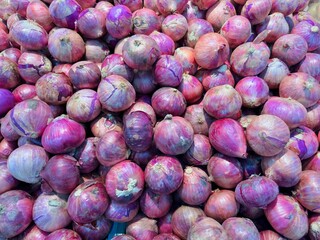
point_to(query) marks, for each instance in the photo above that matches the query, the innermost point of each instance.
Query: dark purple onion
(7, 181)
(122, 212)
(165, 43)
(185, 55)
(9, 74)
(145, 21)
(169, 7)
(256, 11)
(63, 234)
(175, 26)
(85, 74)
(24, 92)
(252, 165)
(119, 21)
(142, 158)
(142, 227)
(114, 64)
(91, 23)
(86, 155)
(200, 151)
(168, 71)
(241, 228)
(12, 53)
(96, 50)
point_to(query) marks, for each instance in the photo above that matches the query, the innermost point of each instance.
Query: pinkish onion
(196, 28)
(310, 31)
(33, 232)
(240, 228)
(207, 227)
(6, 148)
(191, 88)
(270, 235)
(122, 212)
(104, 6)
(7, 101)
(144, 107)
(166, 7)
(114, 64)
(219, 13)
(225, 171)
(86, 3)
(11, 20)
(24, 92)
(186, 56)
(283, 6)
(119, 21)
(309, 65)
(63, 234)
(91, 23)
(175, 26)
(143, 227)
(9, 74)
(96, 50)
(62, 68)
(7, 9)
(211, 50)
(104, 123)
(7, 181)
(165, 43)
(200, 151)
(84, 74)
(313, 163)
(145, 21)
(133, 5)
(143, 82)
(168, 71)
(166, 236)
(256, 11)
(12, 53)
(302, 4)
(86, 155)
(38, 11)
(192, 11)
(4, 40)
(203, 4)
(164, 224)
(123, 237)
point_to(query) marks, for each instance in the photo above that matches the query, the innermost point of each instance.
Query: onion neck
(168, 117)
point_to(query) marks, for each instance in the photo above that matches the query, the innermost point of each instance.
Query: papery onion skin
(86, 155)
(289, 110)
(163, 174)
(168, 7)
(145, 21)
(24, 92)
(7, 181)
(26, 162)
(284, 168)
(61, 173)
(183, 218)
(39, 12)
(116, 93)
(200, 151)
(142, 227)
(88, 202)
(104, 123)
(240, 228)
(62, 135)
(267, 135)
(185, 55)
(91, 23)
(16, 212)
(63, 234)
(50, 212)
(9, 74)
(224, 171)
(256, 11)
(221, 205)
(309, 65)
(227, 136)
(84, 74)
(119, 21)
(287, 217)
(165, 43)
(124, 182)
(122, 212)
(114, 64)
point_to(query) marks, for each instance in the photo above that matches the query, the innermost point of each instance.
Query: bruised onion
(166, 7)
(65, 13)
(142, 227)
(104, 123)
(84, 74)
(219, 13)
(7, 181)
(165, 43)
(63, 233)
(163, 174)
(256, 11)
(207, 228)
(114, 64)
(145, 21)
(225, 171)
(9, 74)
(175, 26)
(122, 212)
(91, 23)
(185, 55)
(119, 21)
(39, 12)
(125, 181)
(240, 228)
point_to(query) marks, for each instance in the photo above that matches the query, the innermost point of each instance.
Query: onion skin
(145, 21)
(6, 148)
(133, 5)
(122, 212)
(16, 212)
(33, 232)
(211, 50)
(165, 43)
(284, 168)
(200, 151)
(8, 182)
(114, 64)
(50, 212)
(185, 55)
(143, 107)
(270, 235)
(309, 65)
(240, 228)
(216, 77)
(84, 74)
(29, 34)
(168, 7)
(197, 28)
(91, 23)
(225, 171)
(12, 53)
(143, 228)
(168, 71)
(65, 13)
(7, 101)
(314, 226)
(263, 138)
(105, 123)
(9, 74)
(26, 162)
(63, 234)
(163, 174)
(221, 205)
(173, 135)
(24, 92)
(175, 26)
(119, 21)
(115, 93)
(287, 217)
(96, 50)
(233, 145)
(124, 182)
(313, 163)
(256, 11)
(289, 110)
(88, 202)
(183, 218)
(39, 12)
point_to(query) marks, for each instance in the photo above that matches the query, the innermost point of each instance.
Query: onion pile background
(179, 119)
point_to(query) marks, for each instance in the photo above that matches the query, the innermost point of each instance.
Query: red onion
(164, 224)
(225, 171)
(62, 68)
(96, 50)
(166, 7)
(287, 217)
(256, 11)
(312, 120)
(198, 118)
(227, 136)
(62, 135)
(66, 45)
(9, 75)
(29, 34)
(289, 110)
(4, 40)
(155, 205)
(7, 181)
(166, 236)
(142, 158)
(184, 218)
(24, 92)
(197, 28)
(168, 71)
(12, 53)
(88, 202)
(236, 30)
(202, 4)
(211, 50)
(33, 232)
(200, 151)
(57, 110)
(122, 212)
(86, 155)
(115, 65)
(125, 181)
(61, 174)
(143, 228)
(191, 88)
(275, 71)
(63, 234)
(7, 101)
(65, 13)
(277, 25)
(307, 190)
(192, 11)
(144, 107)
(91, 23)
(50, 212)
(104, 6)
(104, 123)
(290, 48)
(313, 163)
(117, 44)
(119, 21)
(168, 100)
(219, 13)
(207, 228)
(6, 148)
(309, 65)
(115, 93)
(39, 12)
(185, 55)
(11, 20)
(163, 174)
(240, 228)
(123, 237)
(267, 135)
(221, 205)
(254, 91)
(7, 9)
(175, 26)
(131, 4)
(270, 235)
(283, 6)
(250, 58)
(215, 77)
(195, 188)
(165, 43)
(173, 135)
(145, 21)
(314, 226)
(16, 213)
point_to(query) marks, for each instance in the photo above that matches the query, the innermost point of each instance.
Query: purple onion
(133, 5)
(12, 53)
(186, 56)
(38, 11)
(33, 232)
(96, 50)
(4, 40)
(114, 64)
(165, 43)
(166, 7)
(86, 155)
(142, 158)
(256, 11)
(104, 6)
(310, 31)
(216, 77)
(166, 236)
(6, 148)
(144, 107)
(145, 21)
(65, 13)
(309, 65)
(91, 23)
(62, 68)
(9, 74)
(200, 151)
(119, 21)
(7, 181)
(284, 7)
(168, 71)
(312, 120)
(192, 11)
(63, 234)
(219, 13)
(7, 101)
(197, 28)
(24, 92)
(143, 82)
(206, 227)
(175, 26)
(143, 227)
(122, 212)
(240, 228)
(313, 163)
(104, 123)
(204, 4)
(191, 88)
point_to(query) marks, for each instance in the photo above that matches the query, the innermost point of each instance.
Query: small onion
(50, 212)
(125, 181)
(270, 235)
(191, 88)
(185, 55)
(114, 64)
(145, 21)
(131, 4)
(207, 228)
(313, 114)
(166, 236)
(256, 11)
(33, 232)
(91, 23)
(165, 43)
(219, 13)
(313, 163)
(192, 11)
(24, 92)
(62, 135)
(196, 28)
(225, 171)
(122, 212)
(61, 173)
(227, 136)
(7, 101)
(287, 217)
(9, 74)
(39, 12)
(6, 148)
(166, 7)
(241, 228)
(309, 65)
(175, 26)
(283, 6)
(267, 135)
(16, 213)
(104, 123)
(119, 21)
(63, 234)
(7, 181)
(84, 74)
(142, 227)
(163, 174)
(96, 50)
(12, 53)
(168, 71)
(143, 107)
(200, 151)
